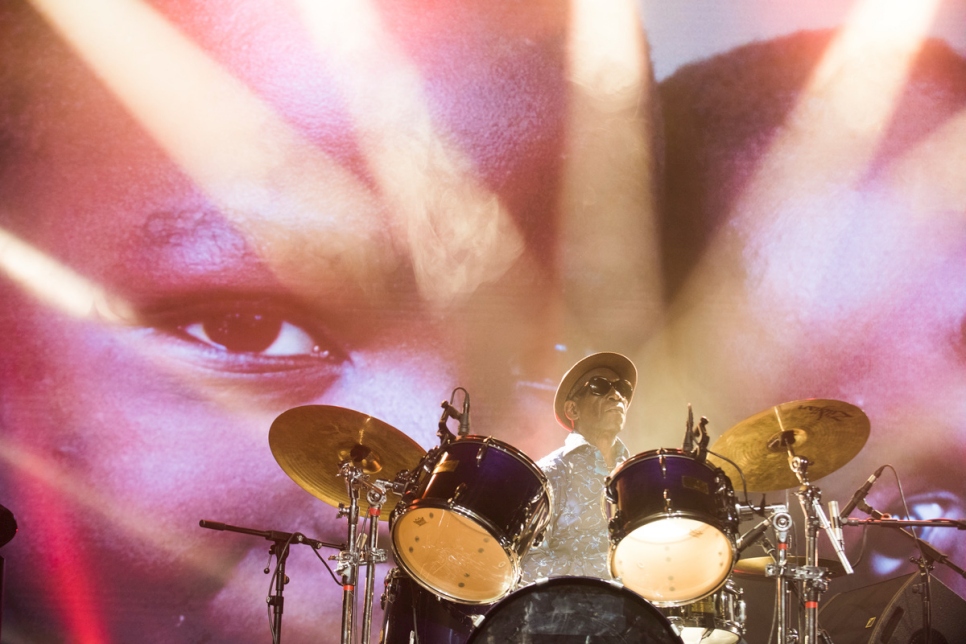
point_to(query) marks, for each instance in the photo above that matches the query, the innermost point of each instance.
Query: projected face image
(226, 216)
(844, 263)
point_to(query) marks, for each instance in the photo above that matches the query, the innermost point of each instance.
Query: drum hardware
(700, 435)
(746, 512)
(755, 534)
(362, 548)
(281, 541)
(480, 454)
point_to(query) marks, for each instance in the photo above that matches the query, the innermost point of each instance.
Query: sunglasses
(601, 386)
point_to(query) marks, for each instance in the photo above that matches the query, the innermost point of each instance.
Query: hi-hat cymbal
(312, 442)
(829, 433)
(755, 566)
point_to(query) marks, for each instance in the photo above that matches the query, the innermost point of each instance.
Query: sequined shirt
(576, 541)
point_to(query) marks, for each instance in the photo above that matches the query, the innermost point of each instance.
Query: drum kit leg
(464, 514)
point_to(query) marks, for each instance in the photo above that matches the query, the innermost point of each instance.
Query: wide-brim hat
(619, 364)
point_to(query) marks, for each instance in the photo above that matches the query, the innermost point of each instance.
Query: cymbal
(312, 442)
(755, 566)
(829, 433)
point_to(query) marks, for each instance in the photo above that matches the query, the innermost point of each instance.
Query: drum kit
(464, 514)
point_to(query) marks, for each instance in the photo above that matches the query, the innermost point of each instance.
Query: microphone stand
(280, 548)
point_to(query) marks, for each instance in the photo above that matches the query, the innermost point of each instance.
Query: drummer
(591, 403)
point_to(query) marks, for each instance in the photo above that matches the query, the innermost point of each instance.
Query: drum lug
(615, 528)
(537, 539)
(482, 452)
(457, 493)
(389, 592)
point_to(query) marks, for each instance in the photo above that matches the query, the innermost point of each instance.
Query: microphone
(861, 492)
(752, 535)
(465, 415)
(835, 520)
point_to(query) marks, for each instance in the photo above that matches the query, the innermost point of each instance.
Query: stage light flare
(56, 284)
(608, 202)
(458, 233)
(258, 170)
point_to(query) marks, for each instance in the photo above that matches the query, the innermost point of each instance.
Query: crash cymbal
(312, 442)
(829, 433)
(755, 566)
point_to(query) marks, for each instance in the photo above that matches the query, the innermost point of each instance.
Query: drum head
(673, 561)
(574, 610)
(453, 556)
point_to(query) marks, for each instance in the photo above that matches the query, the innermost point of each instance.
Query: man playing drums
(591, 402)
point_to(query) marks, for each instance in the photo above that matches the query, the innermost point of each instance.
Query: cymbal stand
(359, 548)
(813, 577)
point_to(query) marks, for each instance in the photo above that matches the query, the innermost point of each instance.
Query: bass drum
(562, 610)
(413, 614)
(462, 531)
(674, 528)
(717, 619)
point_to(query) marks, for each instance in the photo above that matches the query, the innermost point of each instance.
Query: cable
(327, 567)
(905, 509)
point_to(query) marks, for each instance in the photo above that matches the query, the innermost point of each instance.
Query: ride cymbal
(312, 442)
(829, 433)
